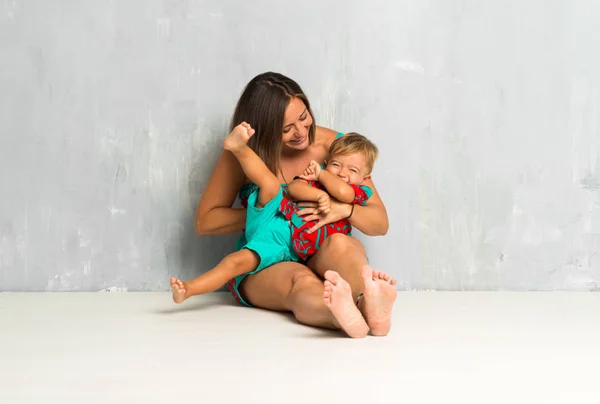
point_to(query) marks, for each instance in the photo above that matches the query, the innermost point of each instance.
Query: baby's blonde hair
(352, 143)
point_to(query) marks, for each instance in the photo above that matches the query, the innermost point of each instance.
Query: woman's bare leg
(290, 286)
(234, 264)
(346, 256)
(379, 295)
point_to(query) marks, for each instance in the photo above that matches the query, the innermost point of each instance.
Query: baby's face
(351, 168)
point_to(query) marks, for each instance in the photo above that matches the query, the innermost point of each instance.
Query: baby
(350, 162)
(274, 233)
(268, 232)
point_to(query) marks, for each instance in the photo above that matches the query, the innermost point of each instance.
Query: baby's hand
(324, 204)
(312, 172)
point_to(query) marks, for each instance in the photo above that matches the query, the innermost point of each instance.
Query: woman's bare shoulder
(325, 136)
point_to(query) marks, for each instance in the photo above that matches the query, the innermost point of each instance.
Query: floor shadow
(313, 332)
(220, 300)
(323, 333)
(226, 300)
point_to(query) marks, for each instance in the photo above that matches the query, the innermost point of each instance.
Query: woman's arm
(214, 214)
(371, 219)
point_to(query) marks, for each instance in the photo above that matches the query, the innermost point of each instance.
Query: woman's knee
(306, 297)
(270, 288)
(341, 244)
(302, 279)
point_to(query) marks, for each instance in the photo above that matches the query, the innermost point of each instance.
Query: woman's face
(296, 124)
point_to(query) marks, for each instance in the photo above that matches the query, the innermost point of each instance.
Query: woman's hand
(309, 213)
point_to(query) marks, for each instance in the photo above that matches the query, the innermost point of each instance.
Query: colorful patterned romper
(306, 245)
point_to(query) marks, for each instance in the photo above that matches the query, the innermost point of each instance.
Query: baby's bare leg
(234, 264)
(254, 168)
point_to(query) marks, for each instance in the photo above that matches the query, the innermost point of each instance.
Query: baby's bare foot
(239, 137)
(338, 297)
(179, 290)
(378, 300)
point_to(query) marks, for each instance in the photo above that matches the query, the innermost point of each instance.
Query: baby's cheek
(359, 180)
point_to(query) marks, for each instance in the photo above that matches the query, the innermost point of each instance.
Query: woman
(287, 140)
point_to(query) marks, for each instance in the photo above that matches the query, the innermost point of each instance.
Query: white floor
(444, 348)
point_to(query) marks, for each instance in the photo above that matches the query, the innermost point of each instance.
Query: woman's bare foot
(179, 290)
(338, 297)
(238, 138)
(378, 300)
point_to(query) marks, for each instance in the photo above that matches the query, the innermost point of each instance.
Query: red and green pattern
(305, 244)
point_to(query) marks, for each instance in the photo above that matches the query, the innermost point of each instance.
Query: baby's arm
(300, 190)
(336, 187)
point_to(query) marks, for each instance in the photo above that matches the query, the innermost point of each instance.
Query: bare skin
(377, 303)
(179, 289)
(243, 261)
(234, 264)
(292, 286)
(338, 298)
(378, 292)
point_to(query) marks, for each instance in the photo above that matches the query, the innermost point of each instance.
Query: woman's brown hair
(262, 104)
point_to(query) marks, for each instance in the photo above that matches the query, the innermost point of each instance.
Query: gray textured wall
(487, 113)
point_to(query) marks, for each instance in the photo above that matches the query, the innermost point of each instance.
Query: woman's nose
(300, 130)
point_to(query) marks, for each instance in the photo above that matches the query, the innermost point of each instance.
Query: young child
(268, 232)
(350, 162)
